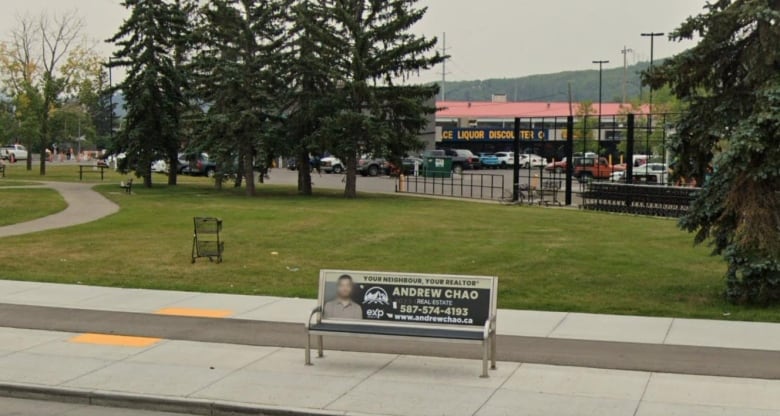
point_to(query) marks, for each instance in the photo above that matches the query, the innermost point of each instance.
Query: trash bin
(435, 166)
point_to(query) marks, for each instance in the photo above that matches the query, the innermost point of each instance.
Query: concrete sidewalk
(147, 349)
(207, 378)
(538, 324)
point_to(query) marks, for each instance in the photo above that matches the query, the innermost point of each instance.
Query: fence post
(569, 157)
(630, 149)
(630, 136)
(516, 164)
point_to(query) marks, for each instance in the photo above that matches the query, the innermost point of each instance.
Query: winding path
(84, 205)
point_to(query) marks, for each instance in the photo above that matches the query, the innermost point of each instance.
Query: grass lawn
(11, 182)
(547, 259)
(19, 205)
(69, 172)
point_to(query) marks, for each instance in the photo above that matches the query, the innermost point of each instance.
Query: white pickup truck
(13, 152)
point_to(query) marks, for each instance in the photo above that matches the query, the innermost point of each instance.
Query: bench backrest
(407, 298)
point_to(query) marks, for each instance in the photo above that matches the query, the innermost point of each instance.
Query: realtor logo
(376, 296)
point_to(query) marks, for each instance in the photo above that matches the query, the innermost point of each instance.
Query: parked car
(560, 165)
(331, 164)
(595, 168)
(651, 173)
(531, 161)
(160, 166)
(489, 161)
(13, 152)
(505, 159)
(197, 164)
(463, 159)
(368, 166)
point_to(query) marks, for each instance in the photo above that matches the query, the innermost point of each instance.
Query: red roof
(491, 110)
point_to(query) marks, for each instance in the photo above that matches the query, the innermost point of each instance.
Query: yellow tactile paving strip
(196, 312)
(115, 340)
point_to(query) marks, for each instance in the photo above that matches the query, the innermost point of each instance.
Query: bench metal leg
(485, 348)
(493, 351)
(320, 353)
(308, 349)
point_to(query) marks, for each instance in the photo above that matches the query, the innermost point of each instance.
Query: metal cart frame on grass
(206, 240)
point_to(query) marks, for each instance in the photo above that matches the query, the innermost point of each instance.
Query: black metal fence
(573, 161)
(467, 185)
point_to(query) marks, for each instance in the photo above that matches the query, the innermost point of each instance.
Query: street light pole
(601, 70)
(652, 36)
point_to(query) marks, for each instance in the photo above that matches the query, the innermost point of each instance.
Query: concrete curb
(189, 406)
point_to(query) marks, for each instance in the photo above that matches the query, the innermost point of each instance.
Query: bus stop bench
(459, 309)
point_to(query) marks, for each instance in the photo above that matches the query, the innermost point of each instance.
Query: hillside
(551, 87)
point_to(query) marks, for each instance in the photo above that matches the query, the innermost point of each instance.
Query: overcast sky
(486, 38)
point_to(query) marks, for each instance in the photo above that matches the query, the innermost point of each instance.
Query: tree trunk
(249, 174)
(148, 179)
(44, 137)
(30, 144)
(173, 168)
(304, 173)
(350, 190)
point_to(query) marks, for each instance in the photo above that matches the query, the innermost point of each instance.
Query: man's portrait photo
(342, 306)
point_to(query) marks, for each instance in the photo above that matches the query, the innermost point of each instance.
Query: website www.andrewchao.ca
(434, 319)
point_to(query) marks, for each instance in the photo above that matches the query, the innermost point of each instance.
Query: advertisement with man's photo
(408, 298)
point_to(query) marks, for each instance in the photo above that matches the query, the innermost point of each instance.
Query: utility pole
(601, 70)
(625, 51)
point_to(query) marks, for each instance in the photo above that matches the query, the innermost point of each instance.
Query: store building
(489, 126)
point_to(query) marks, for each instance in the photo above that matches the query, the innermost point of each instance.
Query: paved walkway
(84, 205)
(211, 378)
(209, 353)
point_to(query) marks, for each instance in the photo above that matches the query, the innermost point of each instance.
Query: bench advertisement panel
(407, 298)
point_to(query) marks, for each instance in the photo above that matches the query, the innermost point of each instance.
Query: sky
(485, 38)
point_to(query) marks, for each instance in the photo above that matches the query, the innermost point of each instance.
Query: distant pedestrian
(70, 153)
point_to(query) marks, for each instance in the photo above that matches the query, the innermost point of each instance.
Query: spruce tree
(374, 54)
(729, 138)
(310, 83)
(237, 67)
(147, 42)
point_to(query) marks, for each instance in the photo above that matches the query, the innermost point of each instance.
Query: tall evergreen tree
(239, 47)
(729, 139)
(374, 55)
(311, 81)
(147, 43)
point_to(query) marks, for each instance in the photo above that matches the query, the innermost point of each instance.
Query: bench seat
(398, 331)
(434, 308)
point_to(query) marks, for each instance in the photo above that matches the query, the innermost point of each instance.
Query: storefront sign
(492, 135)
(407, 298)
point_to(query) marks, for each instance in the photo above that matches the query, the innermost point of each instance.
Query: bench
(424, 307)
(550, 186)
(127, 186)
(92, 168)
(661, 201)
